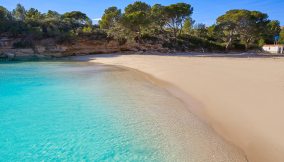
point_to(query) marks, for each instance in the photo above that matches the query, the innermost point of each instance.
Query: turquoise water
(65, 111)
(72, 111)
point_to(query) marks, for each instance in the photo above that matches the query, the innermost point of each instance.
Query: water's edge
(190, 103)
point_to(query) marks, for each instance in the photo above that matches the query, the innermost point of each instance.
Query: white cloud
(96, 19)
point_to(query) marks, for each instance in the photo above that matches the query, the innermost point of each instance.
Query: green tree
(52, 15)
(136, 17)
(176, 14)
(248, 25)
(111, 16)
(273, 28)
(200, 30)
(77, 17)
(227, 32)
(9, 26)
(137, 6)
(5, 18)
(33, 17)
(34, 21)
(121, 34)
(19, 12)
(213, 34)
(33, 14)
(158, 16)
(282, 36)
(53, 23)
(187, 27)
(75, 20)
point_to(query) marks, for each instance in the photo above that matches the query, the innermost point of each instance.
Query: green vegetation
(244, 27)
(282, 36)
(170, 26)
(33, 25)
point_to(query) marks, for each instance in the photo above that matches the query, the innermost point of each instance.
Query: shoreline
(191, 104)
(14, 56)
(257, 143)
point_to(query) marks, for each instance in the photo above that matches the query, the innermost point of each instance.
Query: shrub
(189, 42)
(93, 34)
(148, 38)
(121, 41)
(261, 42)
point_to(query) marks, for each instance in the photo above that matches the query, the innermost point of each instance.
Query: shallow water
(72, 111)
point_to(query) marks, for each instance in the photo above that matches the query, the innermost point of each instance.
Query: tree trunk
(229, 42)
(175, 33)
(247, 44)
(180, 30)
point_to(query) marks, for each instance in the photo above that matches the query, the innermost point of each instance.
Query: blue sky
(205, 11)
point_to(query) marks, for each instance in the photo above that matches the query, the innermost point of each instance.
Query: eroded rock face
(49, 49)
(7, 42)
(10, 55)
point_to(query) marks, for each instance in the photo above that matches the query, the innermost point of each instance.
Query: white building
(276, 49)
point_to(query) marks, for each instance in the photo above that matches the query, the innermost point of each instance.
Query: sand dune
(241, 98)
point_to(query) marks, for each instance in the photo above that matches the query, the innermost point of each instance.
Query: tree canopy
(246, 27)
(171, 24)
(111, 16)
(136, 17)
(176, 14)
(282, 35)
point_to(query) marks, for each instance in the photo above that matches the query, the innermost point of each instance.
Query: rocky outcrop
(48, 48)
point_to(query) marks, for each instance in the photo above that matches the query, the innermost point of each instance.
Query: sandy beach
(241, 98)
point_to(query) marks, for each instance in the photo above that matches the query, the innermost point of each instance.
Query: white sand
(241, 98)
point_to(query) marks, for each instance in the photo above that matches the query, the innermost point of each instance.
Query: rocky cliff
(48, 48)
